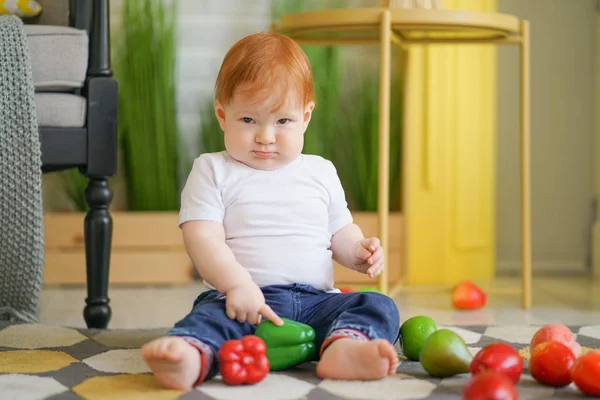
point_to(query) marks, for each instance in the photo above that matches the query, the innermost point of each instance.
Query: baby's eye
(247, 120)
(283, 121)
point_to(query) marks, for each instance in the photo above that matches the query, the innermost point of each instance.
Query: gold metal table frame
(405, 27)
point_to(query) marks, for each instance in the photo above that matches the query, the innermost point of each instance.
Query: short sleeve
(201, 198)
(339, 214)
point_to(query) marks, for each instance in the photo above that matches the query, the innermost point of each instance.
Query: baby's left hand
(367, 257)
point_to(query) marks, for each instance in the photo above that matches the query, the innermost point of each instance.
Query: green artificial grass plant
(74, 185)
(144, 65)
(211, 135)
(357, 141)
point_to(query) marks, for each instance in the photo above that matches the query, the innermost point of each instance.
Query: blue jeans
(374, 314)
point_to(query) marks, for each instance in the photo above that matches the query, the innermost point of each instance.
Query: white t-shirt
(278, 223)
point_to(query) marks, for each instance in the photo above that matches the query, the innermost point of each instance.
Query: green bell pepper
(287, 345)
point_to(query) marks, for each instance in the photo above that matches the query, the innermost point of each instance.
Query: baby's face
(261, 137)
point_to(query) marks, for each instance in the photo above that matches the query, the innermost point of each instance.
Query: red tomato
(551, 363)
(498, 357)
(586, 373)
(489, 385)
(467, 296)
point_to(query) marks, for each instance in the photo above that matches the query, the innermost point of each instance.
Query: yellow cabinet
(451, 160)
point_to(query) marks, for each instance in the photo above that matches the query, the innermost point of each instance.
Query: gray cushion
(54, 12)
(59, 57)
(61, 110)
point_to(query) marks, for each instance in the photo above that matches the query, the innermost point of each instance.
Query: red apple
(498, 357)
(555, 333)
(551, 363)
(489, 385)
(467, 296)
(586, 373)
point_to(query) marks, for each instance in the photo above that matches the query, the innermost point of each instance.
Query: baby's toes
(392, 356)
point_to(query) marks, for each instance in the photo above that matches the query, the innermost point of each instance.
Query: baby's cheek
(292, 143)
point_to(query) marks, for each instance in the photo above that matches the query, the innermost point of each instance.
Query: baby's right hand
(246, 303)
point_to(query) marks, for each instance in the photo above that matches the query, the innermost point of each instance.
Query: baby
(262, 223)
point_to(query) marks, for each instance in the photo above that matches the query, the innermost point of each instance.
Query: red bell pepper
(244, 361)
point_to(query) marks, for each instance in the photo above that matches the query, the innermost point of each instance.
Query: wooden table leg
(525, 168)
(384, 140)
(406, 161)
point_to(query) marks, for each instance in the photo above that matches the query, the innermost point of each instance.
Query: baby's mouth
(263, 154)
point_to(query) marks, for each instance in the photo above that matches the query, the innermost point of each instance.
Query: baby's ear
(220, 113)
(308, 111)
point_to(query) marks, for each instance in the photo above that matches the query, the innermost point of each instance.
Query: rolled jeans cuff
(349, 333)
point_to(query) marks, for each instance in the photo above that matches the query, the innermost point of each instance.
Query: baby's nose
(265, 138)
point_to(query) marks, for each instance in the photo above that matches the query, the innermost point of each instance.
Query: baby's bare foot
(350, 359)
(174, 362)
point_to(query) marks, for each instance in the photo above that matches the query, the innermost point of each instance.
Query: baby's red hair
(265, 64)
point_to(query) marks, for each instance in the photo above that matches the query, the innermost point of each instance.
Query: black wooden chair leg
(98, 237)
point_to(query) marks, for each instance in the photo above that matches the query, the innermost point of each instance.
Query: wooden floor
(568, 300)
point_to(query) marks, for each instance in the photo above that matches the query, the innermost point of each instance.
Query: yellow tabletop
(412, 25)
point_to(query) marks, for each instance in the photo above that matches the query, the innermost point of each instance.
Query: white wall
(563, 74)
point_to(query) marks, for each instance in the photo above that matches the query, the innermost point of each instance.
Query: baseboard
(505, 267)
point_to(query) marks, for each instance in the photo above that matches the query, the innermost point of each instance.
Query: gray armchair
(76, 102)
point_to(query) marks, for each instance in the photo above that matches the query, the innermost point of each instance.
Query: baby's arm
(205, 244)
(348, 244)
(350, 249)
(343, 242)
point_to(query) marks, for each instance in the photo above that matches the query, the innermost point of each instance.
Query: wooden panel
(367, 221)
(148, 249)
(139, 229)
(136, 268)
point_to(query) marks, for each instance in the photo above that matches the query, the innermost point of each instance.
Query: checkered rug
(52, 362)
